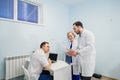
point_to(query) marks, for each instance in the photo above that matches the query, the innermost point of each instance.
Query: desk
(61, 70)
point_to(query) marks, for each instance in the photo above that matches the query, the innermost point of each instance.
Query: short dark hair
(78, 23)
(43, 43)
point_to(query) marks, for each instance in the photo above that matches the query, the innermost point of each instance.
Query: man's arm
(49, 65)
(72, 52)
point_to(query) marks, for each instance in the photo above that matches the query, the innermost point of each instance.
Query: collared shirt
(37, 62)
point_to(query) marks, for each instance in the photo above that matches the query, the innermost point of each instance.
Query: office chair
(26, 73)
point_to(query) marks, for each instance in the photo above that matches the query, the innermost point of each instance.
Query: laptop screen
(53, 56)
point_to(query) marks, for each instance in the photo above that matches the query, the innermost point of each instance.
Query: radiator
(13, 66)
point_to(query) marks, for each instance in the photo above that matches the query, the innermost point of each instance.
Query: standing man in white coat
(86, 51)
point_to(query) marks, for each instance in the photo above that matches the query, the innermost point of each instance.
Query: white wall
(103, 18)
(19, 38)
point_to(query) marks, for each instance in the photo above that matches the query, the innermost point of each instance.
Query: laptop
(53, 57)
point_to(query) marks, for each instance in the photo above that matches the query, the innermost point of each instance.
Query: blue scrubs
(69, 60)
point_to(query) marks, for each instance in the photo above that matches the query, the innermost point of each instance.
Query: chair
(26, 73)
(26, 64)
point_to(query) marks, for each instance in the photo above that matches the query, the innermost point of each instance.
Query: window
(27, 12)
(21, 10)
(6, 9)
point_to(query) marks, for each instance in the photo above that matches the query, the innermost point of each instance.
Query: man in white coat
(86, 51)
(40, 64)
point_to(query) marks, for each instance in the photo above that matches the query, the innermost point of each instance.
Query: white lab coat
(38, 60)
(87, 53)
(75, 58)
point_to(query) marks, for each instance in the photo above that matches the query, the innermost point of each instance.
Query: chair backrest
(27, 75)
(26, 64)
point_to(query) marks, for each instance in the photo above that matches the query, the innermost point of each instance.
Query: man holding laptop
(40, 64)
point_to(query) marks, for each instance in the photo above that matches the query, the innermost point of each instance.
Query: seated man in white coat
(40, 64)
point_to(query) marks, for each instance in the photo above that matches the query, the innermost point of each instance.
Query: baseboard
(2, 79)
(110, 78)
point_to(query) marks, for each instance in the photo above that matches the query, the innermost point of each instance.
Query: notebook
(53, 57)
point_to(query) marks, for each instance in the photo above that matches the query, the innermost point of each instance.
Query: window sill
(23, 22)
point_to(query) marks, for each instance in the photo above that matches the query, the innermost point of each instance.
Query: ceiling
(70, 2)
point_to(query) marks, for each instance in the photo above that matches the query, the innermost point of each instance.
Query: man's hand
(49, 65)
(49, 61)
(72, 52)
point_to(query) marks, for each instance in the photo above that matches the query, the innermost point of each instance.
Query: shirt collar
(42, 51)
(82, 32)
